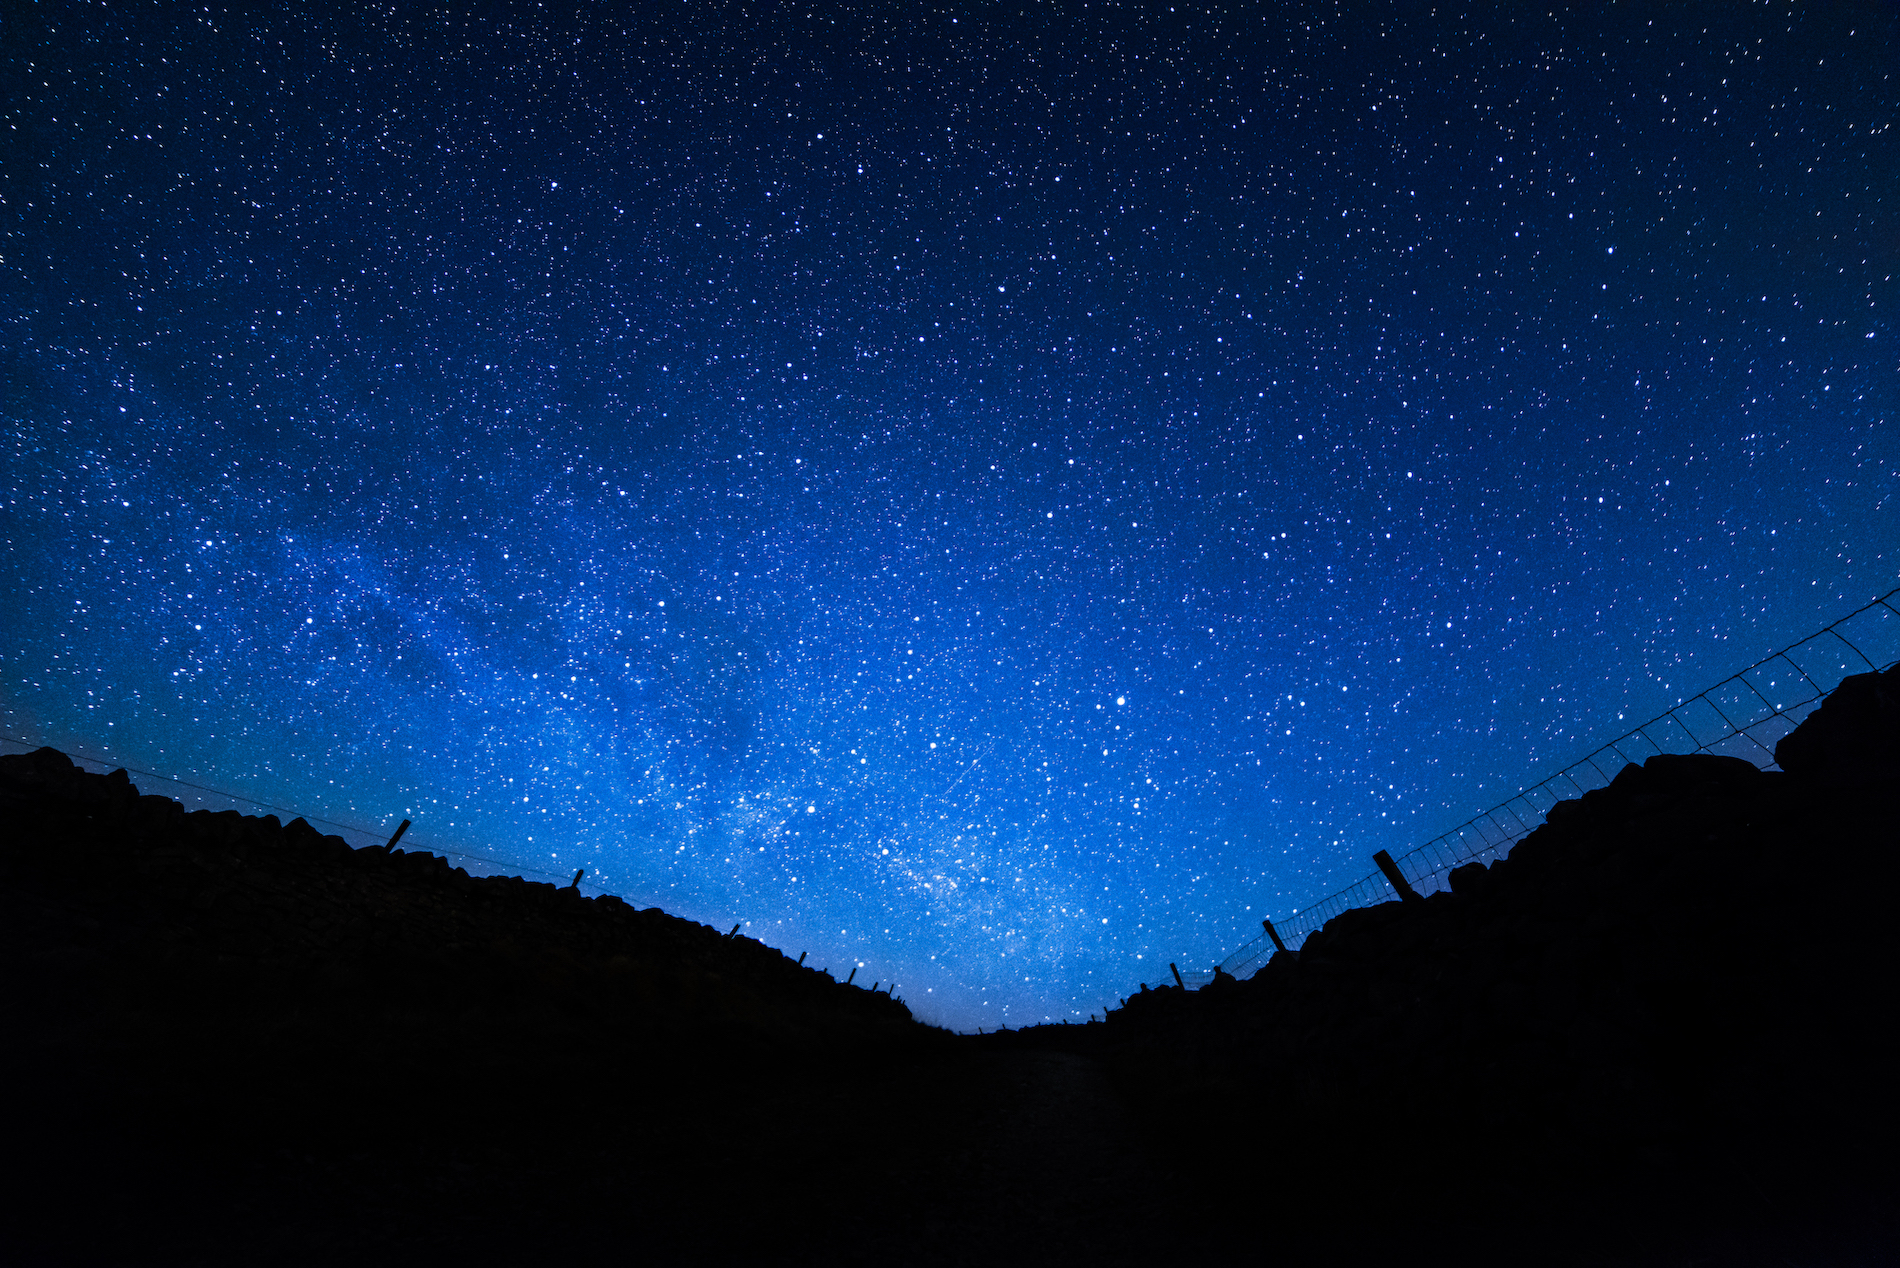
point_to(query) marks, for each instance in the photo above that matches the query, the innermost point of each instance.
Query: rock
(50, 763)
(119, 786)
(1852, 738)
(160, 813)
(1627, 778)
(299, 834)
(1687, 772)
(46, 768)
(1469, 879)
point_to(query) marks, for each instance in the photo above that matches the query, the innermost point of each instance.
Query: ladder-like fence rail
(1744, 715)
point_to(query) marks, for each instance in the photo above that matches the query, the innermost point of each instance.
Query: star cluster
(1003, 496)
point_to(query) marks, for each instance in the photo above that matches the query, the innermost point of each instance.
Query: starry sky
(1004, 495)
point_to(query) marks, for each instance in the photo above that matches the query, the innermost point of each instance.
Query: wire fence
(1744, 715)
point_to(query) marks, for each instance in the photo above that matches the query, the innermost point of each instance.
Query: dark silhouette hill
(1660, 1031)
(209, 1004)
(1667, 1015)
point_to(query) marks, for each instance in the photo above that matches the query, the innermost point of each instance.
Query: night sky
(1004, 495)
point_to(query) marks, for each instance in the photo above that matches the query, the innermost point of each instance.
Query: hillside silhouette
(1661, 1030)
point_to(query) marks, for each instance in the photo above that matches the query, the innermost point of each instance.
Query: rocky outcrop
(1853, 738)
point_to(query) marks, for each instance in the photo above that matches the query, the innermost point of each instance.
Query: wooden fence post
(801, 957)
(1393, 874)
(735, 930)
(399, 831)
(575, 884)
(1177, 977)
(1274, 934)
(854, 973)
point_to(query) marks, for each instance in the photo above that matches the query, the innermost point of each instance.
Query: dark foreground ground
(1661, 1032)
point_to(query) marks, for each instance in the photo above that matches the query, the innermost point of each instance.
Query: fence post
(404, 827)
(735, 930)
(1393, 874)
(575, 884)
(1177, 977)
(801, 957)
(854, 973)
(1274, 934)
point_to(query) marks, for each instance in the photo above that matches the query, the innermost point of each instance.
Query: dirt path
(1050, 1154)
(1034, 1162)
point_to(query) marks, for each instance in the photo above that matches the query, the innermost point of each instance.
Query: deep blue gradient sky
(1005, 495)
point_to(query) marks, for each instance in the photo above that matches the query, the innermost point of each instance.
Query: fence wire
(1744, 715)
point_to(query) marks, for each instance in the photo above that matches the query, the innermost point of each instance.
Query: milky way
(1002, 496)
